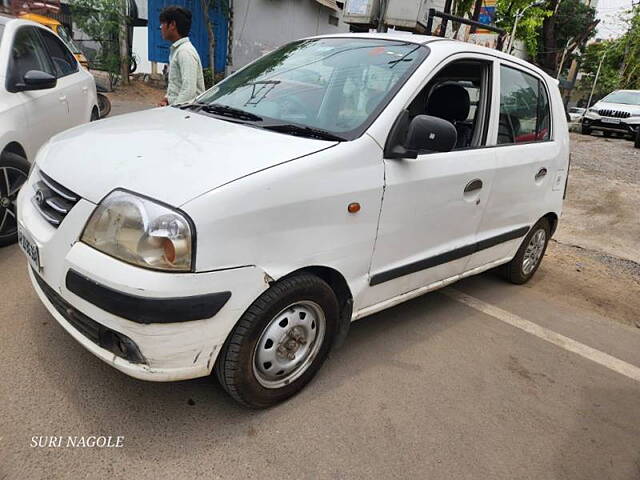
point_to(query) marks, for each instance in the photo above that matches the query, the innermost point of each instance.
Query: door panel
(428, 222)
(525, 157)
(45, 110)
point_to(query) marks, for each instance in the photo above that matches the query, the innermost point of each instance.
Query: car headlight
(141, 232)
(593, 110)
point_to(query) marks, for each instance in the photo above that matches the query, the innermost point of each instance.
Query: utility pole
(595, 80)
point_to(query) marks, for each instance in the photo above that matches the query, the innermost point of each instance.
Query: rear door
(525, 154)
(71, 80)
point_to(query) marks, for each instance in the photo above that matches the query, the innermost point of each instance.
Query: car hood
(624, 107)
(168, 154)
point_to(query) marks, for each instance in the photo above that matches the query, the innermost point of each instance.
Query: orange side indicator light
(353, 207)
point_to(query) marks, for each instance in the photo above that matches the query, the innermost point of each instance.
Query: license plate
(29, 247)
(611, 120)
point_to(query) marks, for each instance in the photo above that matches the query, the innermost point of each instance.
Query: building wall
(261, 26)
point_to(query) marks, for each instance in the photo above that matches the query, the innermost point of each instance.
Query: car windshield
(628, 98)
(66, 38)
(333, 84)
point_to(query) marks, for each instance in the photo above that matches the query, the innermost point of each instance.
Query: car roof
(4, 20)
(439, 42)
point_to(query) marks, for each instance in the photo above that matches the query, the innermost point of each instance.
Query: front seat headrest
(450, 102)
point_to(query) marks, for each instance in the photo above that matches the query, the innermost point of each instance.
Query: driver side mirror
(423, 133)
(36, 80)
(432, 134)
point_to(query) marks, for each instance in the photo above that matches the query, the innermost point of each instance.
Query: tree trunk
(549, 57)
(212, 39)
(124, 44)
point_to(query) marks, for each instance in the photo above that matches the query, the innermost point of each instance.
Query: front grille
(119, 344)
(614, 113)
(52, 200)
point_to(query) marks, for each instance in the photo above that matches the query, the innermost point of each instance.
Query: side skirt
(378, 307)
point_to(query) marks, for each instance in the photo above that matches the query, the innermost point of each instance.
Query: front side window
(27, 53)
(334, 84)
(524, 108)
(63, 60)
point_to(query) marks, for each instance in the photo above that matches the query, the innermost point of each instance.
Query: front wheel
(529, 255)
(280, 342)
(585, 130)
(636, 143)
(14, 171)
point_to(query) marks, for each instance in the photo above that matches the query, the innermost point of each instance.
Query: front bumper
(168, 350)
(628, 126)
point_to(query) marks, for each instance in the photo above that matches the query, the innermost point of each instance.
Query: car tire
(104, 105)
(585, 130)
(14, 171)
(636, 142)
(529, 256)
(280, 342)
(607, 134)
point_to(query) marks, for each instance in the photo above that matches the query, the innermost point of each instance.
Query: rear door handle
(541, 173)
(473, 185)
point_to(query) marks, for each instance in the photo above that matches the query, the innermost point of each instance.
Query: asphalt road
(430, 389)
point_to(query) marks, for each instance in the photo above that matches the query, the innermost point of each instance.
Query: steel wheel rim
(11, 179)
(289, 344)
(533, 252)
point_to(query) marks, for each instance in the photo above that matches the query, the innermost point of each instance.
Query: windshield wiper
(232, 112)
(308, 132)
(223, 110)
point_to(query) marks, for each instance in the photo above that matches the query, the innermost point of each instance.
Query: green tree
(101, 21)
(529, 24)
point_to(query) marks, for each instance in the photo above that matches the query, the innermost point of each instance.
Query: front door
(45, 110)
(433, 204)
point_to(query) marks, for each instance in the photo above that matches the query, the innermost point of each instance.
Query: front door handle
(473, 185)
(541, 173)
(63, 99)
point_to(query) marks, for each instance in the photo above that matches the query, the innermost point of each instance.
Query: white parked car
(617, 113)
(43, 91)
(329, 180)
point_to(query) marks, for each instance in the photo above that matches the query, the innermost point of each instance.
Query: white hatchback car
(43, 91)
(331, 179)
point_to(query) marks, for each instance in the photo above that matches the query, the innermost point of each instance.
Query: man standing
(186, 81)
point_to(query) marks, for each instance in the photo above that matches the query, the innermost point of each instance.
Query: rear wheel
(280, 342)
(104, 104)
(529, 255)
(14, 171)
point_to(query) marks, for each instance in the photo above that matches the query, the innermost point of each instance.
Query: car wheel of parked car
(14, 171)
(607, 134)
(529, 256)
(636, 143)
(280, 342)
(585, 130)
(104, 104)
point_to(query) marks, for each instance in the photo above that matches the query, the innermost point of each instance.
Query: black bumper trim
(447, 257)
(144, 309)
(104, 337)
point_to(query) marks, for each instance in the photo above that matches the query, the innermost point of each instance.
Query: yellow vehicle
(61, 31)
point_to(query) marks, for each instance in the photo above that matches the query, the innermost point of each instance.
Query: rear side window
(27, 53)
(524, 108)
(63, 60)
